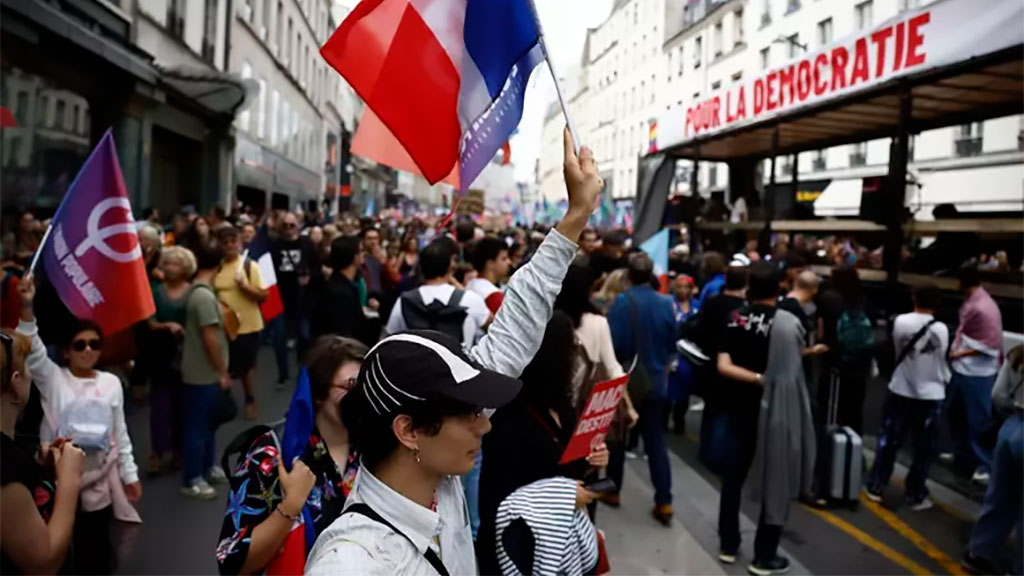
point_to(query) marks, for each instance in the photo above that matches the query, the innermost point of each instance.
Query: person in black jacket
(339, 310)
(529, 435)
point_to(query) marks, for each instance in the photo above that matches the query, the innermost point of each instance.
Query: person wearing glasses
(321, 479)
(297, 266)
(86, 404)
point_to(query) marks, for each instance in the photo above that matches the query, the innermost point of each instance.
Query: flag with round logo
(91, 251)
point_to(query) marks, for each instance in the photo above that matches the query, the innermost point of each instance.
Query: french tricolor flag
(259, 250)
(446, 77)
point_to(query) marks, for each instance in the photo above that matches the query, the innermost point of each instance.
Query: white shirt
(923, 374)
(482, 286)
(739, 211)
(596, 337)
(355, 544)
(476, 317)
(57, 389)
(984, 364)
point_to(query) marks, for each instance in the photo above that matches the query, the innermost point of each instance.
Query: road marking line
(871, 542)
(948, 564)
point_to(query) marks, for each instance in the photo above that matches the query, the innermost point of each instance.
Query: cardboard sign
(596, 418)
(472, 204)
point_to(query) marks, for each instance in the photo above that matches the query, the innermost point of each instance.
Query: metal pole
(558, 85)
(895, 194)
(796, 180)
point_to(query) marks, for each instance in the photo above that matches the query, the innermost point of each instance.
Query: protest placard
(596, 418)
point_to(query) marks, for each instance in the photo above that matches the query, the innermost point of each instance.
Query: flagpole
(558, 85)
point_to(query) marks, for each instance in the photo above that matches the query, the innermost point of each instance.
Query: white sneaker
(697, 406)
(980, 477)
(922, 505)
(199, 489)
(216, 476)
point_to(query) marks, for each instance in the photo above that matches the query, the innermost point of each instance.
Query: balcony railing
(968, 146)
(858, 158)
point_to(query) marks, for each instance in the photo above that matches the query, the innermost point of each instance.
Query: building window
(285, 118)
(818, 161)
(909, 5)
(697, 50)
(737, 76)
(792, 6)
(41, 110)
(713, 176)
(858, 154)
(717, 39)
(261, 109)
(737, 27)
(765, 57)
(682, 62)
(654, 91)
(286, 43)
(862, 15)
(766, 14)
(243, 117)
(210, 31)
(279, 23)
(274, 117)
(176, 18)
(716, 84)
(794, 45)
(968, 139)
(825, 32)
(268, 15)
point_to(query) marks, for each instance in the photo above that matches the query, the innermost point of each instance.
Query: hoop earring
(416, 455)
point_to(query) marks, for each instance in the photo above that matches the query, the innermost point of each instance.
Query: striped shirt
(564, 540)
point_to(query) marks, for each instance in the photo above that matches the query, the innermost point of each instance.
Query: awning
(959, 64)
(221, 94)
(840, 198)
(984, 189)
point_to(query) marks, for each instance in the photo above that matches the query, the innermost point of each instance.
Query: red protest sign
(596, 418)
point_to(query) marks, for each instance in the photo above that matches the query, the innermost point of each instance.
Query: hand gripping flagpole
(558, 85)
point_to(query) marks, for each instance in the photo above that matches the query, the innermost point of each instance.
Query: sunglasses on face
(80, 345)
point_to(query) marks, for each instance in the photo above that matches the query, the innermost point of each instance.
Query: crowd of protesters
(446, 371)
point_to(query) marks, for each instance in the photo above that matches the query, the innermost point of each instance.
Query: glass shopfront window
(42, 153)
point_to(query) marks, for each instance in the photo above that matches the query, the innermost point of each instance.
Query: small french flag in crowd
(446, 77)
(657, 248)
(259, 251)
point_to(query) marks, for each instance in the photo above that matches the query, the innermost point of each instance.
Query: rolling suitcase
(845, 453)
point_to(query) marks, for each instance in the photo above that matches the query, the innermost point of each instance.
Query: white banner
(946, 32)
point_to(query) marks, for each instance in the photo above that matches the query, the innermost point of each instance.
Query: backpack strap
(365, 510)
(456, 297)
(913, 342)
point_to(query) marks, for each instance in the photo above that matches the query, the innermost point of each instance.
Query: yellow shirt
(228, 292)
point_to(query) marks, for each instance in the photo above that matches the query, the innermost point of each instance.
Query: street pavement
(180, 534)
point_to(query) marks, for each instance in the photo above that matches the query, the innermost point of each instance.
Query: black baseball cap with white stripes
(411, 367)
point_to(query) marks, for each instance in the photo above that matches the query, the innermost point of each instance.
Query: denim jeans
(1002, 510)
(902, 415)
(471, 486)
(651, 425)
(970, 412)
(199, 445)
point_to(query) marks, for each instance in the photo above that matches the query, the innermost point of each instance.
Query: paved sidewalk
(638, 545)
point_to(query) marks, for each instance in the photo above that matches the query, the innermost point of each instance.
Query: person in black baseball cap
(420, 409)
